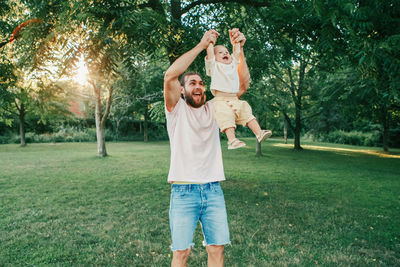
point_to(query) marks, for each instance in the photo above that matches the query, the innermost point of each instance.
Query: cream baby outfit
(228, 109)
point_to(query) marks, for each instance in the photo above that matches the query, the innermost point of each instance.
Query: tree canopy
(320, 66)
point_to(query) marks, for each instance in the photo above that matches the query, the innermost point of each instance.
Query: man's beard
(189, 99)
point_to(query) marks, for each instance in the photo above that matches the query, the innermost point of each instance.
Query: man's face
(193, 91)
(222, 54)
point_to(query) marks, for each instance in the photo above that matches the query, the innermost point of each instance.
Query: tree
(96, 31)
(288, 55)
(7, 80)
(139, 88)
(372, 33)
(27, 85)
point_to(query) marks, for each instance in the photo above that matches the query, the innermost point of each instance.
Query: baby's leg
(254, 126)
(233, 142)
(224, 115)
(261, 135)
(230, 133)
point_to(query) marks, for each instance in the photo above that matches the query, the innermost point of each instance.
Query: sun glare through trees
(81, 75)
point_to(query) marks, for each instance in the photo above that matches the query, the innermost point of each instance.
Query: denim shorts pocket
(178, 193)
(217, 189)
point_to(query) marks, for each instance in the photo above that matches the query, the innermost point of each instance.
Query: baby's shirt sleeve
(210, 66)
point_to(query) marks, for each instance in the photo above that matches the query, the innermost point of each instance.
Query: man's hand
(209, 36)
(237, 37)
(172, 87)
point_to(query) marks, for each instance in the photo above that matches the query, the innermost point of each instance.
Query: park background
(82, 82)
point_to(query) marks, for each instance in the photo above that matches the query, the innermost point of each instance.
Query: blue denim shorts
(191, 203)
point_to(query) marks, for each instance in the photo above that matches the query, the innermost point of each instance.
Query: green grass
(329, 205)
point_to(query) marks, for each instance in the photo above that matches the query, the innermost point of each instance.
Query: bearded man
(196, 166)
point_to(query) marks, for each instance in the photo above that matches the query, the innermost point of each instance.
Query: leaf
(362, 59)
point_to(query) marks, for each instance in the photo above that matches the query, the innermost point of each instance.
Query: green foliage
(129, 44)
(127, 131)
(351, 138)
(157, 111)
(62, 135)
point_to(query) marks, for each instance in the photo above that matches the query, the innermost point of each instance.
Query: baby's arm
(210, 52)
(236, 50)
(235, 44)
(210, 60)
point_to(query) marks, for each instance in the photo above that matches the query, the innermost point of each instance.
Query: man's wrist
(201, 46)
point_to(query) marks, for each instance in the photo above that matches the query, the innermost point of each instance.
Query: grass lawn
(329, 205)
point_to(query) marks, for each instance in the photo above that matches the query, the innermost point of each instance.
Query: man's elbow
(245, 84)
(168, 77)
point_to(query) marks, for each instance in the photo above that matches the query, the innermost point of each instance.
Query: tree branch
(244, 2)
(292, 87)
(16, 105)
(285, 115)
(302, 72)
(282, 80)
(108, 105)
(278, 77)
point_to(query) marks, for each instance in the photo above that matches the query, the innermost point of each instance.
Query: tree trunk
(385, 130)
(101, 141)
(101, 144)
(285, 126)
(117, 128)
(297, 130)
(22, 125)
(258, 149)
(145, 127)
(297, 140)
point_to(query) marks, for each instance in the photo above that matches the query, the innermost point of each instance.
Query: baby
(228, 109)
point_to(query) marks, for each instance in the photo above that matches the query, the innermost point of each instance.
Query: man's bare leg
(180, 257)
(215, 255)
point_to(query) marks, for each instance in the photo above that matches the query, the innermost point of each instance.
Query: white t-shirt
(224, 77)
(196, 154)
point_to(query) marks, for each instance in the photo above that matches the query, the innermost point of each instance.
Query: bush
(62, 135)
(75, 134)
(351, 138)
(5, 139)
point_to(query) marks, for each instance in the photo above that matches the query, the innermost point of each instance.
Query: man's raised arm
(244, 75)
(172, 87)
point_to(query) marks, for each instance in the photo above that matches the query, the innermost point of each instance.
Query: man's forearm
(172, 87)
(244, 74)
(183, 62)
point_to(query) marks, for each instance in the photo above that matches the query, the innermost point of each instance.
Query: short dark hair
(183, 77)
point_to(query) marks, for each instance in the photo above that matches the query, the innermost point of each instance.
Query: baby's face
(222, 54)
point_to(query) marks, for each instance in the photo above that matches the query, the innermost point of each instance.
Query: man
(196, 159)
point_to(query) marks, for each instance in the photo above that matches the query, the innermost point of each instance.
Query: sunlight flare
(337, 149)
(81, 75)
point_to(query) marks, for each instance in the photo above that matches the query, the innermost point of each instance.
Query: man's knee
(181, 256)
(215, 251)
